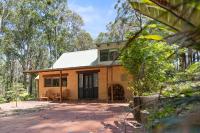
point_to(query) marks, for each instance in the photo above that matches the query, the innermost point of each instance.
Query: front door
(88, 85)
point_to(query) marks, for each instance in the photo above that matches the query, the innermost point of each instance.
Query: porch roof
(69, 68)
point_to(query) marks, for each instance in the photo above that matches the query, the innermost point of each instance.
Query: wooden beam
(61, 86)
(111, 84)
(55, 75)
(111, 93)
(88, 71)
(69, 68)
(107, 84)
(38, 85)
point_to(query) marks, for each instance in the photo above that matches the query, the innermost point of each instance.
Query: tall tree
(34, 34)
(84, 41)
(126, 21)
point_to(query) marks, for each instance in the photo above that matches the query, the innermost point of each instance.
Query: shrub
(26, 97)
(149, 64)
(10, 95)
(14, 92)
(2, 99)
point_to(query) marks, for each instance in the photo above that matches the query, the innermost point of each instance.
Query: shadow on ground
(70, 118)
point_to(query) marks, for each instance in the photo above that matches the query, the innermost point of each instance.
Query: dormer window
(104, 55)
(113, 53)
(108, 54)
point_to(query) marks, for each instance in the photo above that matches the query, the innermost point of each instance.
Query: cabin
(86, 75)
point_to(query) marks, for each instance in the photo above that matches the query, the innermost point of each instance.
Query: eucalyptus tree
(60, 25)
(126, 21)
(83, 41)
(4, 11)
(19, 35)
(34, 34)
(102, 38)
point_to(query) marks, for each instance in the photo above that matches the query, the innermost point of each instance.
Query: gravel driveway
(72, 117)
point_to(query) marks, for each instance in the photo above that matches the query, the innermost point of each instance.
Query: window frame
(53, 81)
(116, 53)
(106, 52)
(110, 57)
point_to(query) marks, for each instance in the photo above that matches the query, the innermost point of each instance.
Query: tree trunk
(182, 61)
(30, 91)
(189, 56)
(24, 81)
(137, 105)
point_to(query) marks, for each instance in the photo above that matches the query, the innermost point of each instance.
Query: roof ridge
(80, 51)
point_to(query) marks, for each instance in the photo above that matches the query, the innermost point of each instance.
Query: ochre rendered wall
(120, 76)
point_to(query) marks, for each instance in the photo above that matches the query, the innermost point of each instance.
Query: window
(113, 54)
(55, 82)
(80, 80)
(104, 55)
(196, 56)
(47, 82)
(86, 81)
(90, 81)
(64, 81)
(95, 79)
(108, 54)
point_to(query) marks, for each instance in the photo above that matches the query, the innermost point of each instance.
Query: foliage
(147, 61)
(24, 96)
(164, 112)
(184, 83)
(180, 96)
(182, 89)
(194, 68)
(83, 41)
(152, 37)
(164, 13)
(102, 38)
(33, 34)
(14, 92)
(127, 20)
(171, 110)
(2, 99)
(17, 92)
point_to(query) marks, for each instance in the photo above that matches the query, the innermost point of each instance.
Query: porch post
(60, 85)
(111, 84)
(107, 85)
(111, 93)
(38, 84)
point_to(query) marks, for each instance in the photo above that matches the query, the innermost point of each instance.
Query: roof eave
(69, 68)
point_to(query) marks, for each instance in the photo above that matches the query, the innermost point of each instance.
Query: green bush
(149, 64)
(26, 97)
(2, 99)
(17, 92)
(194, 68)
(10, 96)
(182, 89)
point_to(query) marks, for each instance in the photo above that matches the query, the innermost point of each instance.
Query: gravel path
(10, 109)
(67, 118)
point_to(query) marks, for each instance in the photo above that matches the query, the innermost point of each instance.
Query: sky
(96, 14)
